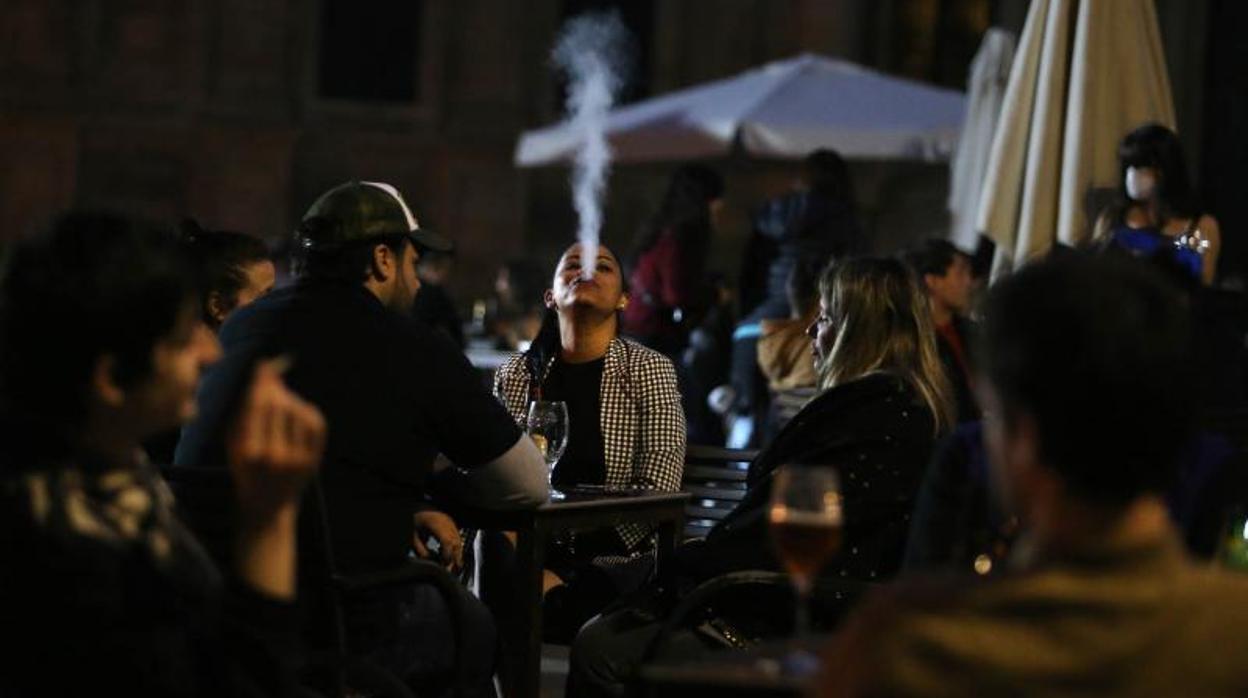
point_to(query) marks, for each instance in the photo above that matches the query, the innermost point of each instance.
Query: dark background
(239, 112)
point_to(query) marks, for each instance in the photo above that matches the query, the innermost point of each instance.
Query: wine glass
(547, 425)
(806, 520)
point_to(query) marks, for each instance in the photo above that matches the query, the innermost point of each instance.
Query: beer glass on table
(547, 425)
(806, 519)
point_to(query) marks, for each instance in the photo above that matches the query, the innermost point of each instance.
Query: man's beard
(403, 298)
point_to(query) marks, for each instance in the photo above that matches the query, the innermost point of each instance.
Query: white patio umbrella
(1070, 99)
(784, 109)
(990, 71)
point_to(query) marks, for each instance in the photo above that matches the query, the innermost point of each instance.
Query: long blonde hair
(882, 323)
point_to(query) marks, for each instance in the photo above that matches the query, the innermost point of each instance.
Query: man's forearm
(514, 480)
(265, 554)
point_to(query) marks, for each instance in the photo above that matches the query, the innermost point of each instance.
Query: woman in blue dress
(1156, 206)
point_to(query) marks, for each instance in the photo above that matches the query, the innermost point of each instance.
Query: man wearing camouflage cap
(395, 394)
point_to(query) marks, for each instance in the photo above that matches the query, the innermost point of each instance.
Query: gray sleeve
(514, 480)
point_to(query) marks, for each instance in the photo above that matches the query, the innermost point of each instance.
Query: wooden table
(577, 511)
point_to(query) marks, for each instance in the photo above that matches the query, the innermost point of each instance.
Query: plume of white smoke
(593, 51)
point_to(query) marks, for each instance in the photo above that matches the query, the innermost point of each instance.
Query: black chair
(205, 503)
(715, 480)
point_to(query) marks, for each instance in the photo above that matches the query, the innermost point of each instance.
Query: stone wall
(210, 108)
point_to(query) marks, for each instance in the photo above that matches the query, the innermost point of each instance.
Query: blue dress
(1145, 242)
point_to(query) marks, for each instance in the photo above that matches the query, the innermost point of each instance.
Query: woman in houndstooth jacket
(626, 429)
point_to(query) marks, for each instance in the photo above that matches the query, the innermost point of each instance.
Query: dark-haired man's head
(364, 232)
(946, 275)
(102, 335)
(233, 270)
(1085, 386)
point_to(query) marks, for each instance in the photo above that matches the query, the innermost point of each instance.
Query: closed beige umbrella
(985, 93)
(1086, 72)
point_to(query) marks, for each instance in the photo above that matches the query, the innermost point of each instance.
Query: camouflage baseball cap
(356, 211)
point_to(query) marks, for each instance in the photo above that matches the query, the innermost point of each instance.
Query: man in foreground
(1088, 404)
(102, 589)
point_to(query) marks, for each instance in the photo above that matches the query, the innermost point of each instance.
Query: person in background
(945, 272)
(103, 589)
(704, 365)
(233, 269)
(816, 222)
(669, 284)
(434, 305)
(1157, 206)
(785, 353)
(626, 429)
(883, 402)
(515, 313)
(1089, 402)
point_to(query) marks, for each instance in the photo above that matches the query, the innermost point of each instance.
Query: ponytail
(541, 350)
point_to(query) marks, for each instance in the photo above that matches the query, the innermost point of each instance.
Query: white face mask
(1140, 183)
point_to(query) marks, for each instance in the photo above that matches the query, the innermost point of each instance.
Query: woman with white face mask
(1156, 212)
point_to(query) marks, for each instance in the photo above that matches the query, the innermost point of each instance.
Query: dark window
(638, 16)
(932, 40)
(370, 49)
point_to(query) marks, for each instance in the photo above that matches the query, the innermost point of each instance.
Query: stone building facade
(238, 112)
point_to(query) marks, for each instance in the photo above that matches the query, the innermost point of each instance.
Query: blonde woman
(883, 400)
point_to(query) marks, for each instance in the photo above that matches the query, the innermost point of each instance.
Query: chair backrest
(715, 481)
(785, 404)
(205, 503)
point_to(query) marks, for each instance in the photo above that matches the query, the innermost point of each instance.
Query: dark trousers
(586, 591)
(410, 634)
(609, 650)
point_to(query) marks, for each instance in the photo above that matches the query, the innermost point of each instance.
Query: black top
(394, 392)
(879, 434)
(580, 386)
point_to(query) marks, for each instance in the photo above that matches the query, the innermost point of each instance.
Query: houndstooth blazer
(643, 424)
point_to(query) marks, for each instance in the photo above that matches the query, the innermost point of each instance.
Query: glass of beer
(806, 519)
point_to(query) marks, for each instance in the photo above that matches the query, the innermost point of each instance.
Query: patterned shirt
(103, 580)
(643, 424)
